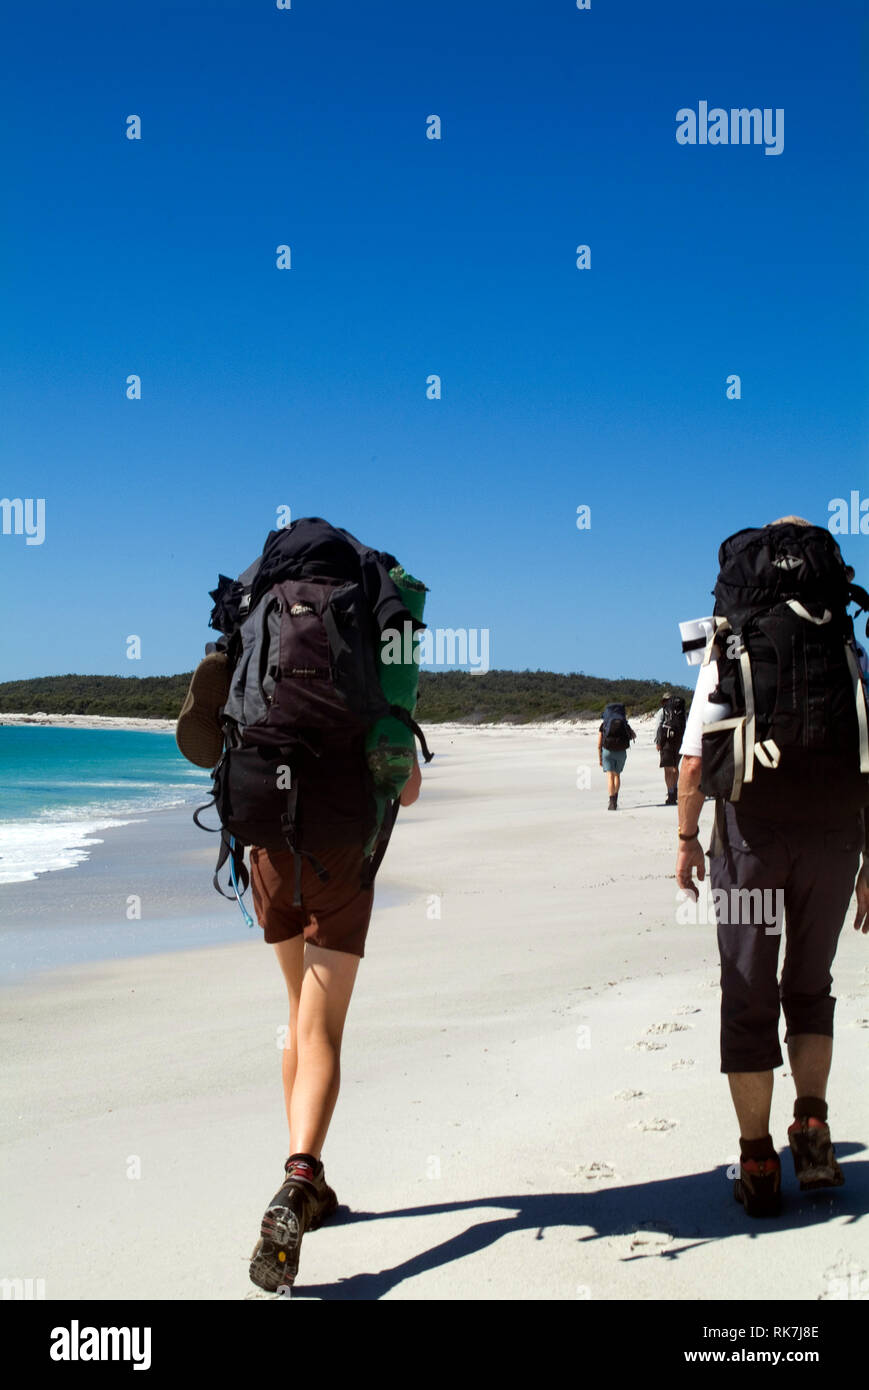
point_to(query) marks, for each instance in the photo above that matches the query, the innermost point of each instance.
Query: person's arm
(690, 802)
(600, 747)
(411, 786)
(861, 920)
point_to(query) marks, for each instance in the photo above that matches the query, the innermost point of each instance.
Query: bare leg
(671, 777)
(751, 1092)
(291, 959)
(810, 1057)
(327, 984)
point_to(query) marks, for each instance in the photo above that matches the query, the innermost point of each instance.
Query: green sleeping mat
(390, 745)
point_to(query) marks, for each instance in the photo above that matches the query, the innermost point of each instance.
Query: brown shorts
(335, 914)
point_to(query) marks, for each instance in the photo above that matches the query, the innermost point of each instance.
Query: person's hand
(690, 856)
(861, 921)
(411, 786)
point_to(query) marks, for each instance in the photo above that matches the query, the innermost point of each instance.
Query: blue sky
(411, 256)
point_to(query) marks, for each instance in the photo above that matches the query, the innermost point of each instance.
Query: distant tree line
(511, 696)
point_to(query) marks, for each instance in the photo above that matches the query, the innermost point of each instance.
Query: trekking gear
(789, 670)
(672, 798)
(616, 730)
(814, 1157)
(613, 803)
(671, 728)
(389, 744)
(198, 732)
(695, 634)
(758, 1186)
(301, 631)
(302, 1203)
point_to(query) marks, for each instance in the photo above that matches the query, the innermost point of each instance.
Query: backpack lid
(760, 567)
(311, 548)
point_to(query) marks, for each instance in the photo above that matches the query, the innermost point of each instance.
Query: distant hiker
(668, 741)
(613, 741)
(778, 733)
(309, 721)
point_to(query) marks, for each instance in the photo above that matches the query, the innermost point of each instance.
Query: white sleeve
(692, 743)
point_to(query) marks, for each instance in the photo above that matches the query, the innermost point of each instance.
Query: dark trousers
(810, 871)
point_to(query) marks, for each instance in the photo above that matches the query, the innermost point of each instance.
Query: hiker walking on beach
(778, 734)
(613, 741)
(306, 709)
(668, 741)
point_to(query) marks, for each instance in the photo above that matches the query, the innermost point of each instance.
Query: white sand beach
(531, 1105)
(89, 721)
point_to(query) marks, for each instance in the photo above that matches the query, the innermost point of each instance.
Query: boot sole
(275, 1261)
(811, 1179)
(813, 1176)
(197, 732)
(274, 1264)
(752, 1206)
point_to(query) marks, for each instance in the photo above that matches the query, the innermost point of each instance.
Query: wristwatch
(695, 836)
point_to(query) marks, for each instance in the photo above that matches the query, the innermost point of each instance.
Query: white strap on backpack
(860, 701)
(803, 612)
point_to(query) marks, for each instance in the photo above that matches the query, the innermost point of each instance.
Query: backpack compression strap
(399, 713)
(288, 826)
(233, 851)
(376, 858)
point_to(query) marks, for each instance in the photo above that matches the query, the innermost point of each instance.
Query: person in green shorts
(613, 741)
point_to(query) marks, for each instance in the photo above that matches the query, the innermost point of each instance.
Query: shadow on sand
(692, 1210)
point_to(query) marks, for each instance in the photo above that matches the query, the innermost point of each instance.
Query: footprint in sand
(687, 1009)
(596, 1170)
(682, 1062)
(669, 1028)
(658, 1126)
(629, 1095)
(643, 1046)
(861, 1023)
(649, 1238)
(846, 1279)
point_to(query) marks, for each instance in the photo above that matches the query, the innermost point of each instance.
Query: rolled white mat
(695, 634)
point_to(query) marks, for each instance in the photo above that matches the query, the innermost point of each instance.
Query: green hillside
(513, 696)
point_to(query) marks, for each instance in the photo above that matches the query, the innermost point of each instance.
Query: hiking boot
(758, 1186)
(814, 1156)
(301, 1204)
(614, 804)
(198, 732)
(671, 798)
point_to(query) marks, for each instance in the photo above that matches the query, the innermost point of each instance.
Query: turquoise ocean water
(60, 787)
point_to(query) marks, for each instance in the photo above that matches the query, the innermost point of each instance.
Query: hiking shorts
(669, 755)
(795, 881)
(335, 914)
(613, 760)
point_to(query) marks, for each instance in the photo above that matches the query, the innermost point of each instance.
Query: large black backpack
(671, 729)
(301, 628)
(795, 739)
(616, 730)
